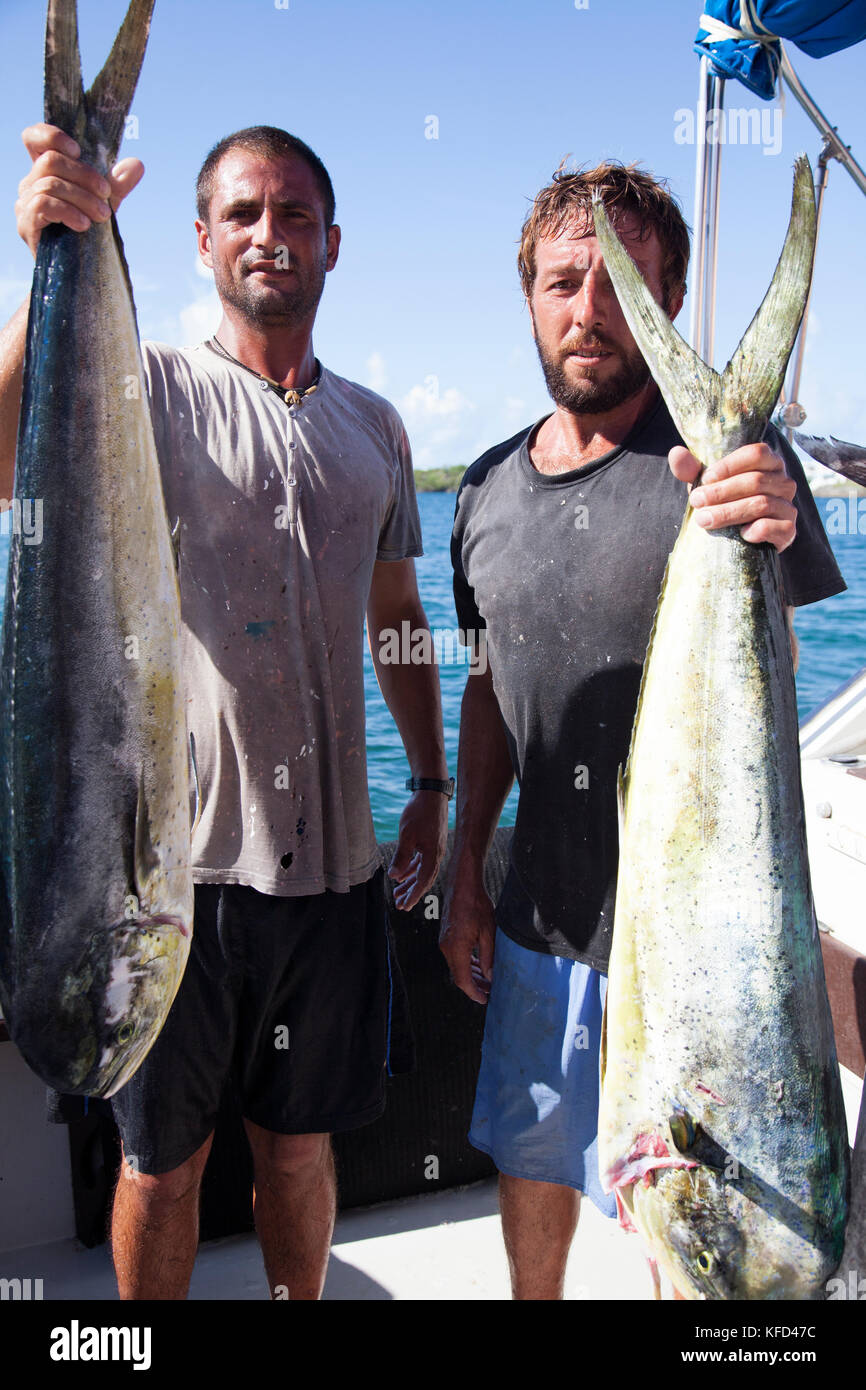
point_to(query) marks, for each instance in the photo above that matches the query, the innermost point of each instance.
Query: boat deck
(446, 1246)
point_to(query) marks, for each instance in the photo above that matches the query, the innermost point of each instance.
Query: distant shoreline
(439, 479)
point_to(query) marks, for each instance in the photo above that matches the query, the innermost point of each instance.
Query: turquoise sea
(832, 644)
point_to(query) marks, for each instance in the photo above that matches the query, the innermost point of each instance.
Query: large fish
(721, 1127)
(95, 882)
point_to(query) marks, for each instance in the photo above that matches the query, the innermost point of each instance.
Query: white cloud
(12, 293)
(199, 320)
(437, 423)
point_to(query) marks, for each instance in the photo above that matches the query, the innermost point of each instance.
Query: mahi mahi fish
(95, 881)
(721, 1126)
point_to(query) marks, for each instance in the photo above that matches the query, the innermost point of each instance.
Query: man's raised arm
(58, 188)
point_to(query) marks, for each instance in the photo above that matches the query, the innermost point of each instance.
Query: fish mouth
(648, 1154)
(160, 923)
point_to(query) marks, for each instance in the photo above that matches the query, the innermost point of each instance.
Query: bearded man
(560, 541)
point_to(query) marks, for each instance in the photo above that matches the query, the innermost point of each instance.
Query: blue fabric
(818, 27)
(536, 1103)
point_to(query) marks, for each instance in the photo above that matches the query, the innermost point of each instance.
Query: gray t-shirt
(564, 573)
(283, 512)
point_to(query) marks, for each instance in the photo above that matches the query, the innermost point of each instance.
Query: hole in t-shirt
(286, 861)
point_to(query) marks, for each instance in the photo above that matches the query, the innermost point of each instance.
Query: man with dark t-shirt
(560, 541)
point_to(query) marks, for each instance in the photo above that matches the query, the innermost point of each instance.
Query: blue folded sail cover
(818, 27)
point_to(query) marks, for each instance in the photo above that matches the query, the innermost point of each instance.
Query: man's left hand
(748, 488)
(420, 847)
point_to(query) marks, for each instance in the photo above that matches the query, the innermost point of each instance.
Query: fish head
(683, 1216)
(92, 1019)
(146, 966)
(718, 1237)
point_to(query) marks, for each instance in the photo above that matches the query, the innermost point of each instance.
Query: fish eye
(125, 1032)
(705, 1262)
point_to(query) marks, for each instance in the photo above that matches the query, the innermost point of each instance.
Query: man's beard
(586, 396)
(265, 304)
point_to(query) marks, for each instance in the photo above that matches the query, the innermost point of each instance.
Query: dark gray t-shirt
(564, 574)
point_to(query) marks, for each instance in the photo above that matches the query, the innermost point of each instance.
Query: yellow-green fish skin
(719, 1045)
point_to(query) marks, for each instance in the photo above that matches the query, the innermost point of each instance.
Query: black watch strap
(431, 784)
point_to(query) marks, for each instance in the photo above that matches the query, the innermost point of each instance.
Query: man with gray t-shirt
(294, 495)
(560, 542)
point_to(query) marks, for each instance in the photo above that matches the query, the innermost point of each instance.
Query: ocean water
(832, 644)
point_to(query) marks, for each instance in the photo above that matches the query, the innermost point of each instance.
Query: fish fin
(682, 1128)
(737, 404)
(145, 858)
(64, 92)
(847, 459)
(175, 545)
(692, 1141)
(195, 782)
(689, 386)
(110, 97)
(752, 380)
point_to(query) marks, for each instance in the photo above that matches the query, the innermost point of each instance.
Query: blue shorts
(536, 1102)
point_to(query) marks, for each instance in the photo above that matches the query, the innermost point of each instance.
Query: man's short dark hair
(271, 143)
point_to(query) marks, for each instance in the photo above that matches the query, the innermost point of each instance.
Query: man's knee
(177, 1185)
(288, 1155)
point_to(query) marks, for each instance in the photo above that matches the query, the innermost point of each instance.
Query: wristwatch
(431, 784)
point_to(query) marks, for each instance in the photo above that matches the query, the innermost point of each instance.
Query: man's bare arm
(58, 188)
(12, 340)
(484, 778)
(411, 693)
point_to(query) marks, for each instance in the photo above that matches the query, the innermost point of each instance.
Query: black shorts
(289, 995)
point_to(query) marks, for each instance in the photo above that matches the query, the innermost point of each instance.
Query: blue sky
(424, 304)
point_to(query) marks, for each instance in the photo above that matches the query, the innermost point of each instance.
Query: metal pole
(716, 99)
(697, 318)
(706, 219)
(837, 149)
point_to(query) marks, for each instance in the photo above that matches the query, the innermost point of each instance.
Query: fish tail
(96, 118)
(752, 380)
(64, 92)
(737, 404)
(847, 459)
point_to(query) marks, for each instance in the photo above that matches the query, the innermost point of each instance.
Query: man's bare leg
(538, 1223)
(154, 1230)
(295, 1208)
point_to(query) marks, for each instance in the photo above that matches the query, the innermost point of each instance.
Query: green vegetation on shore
(439, 479)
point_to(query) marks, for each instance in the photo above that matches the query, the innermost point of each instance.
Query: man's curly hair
(623, 188)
